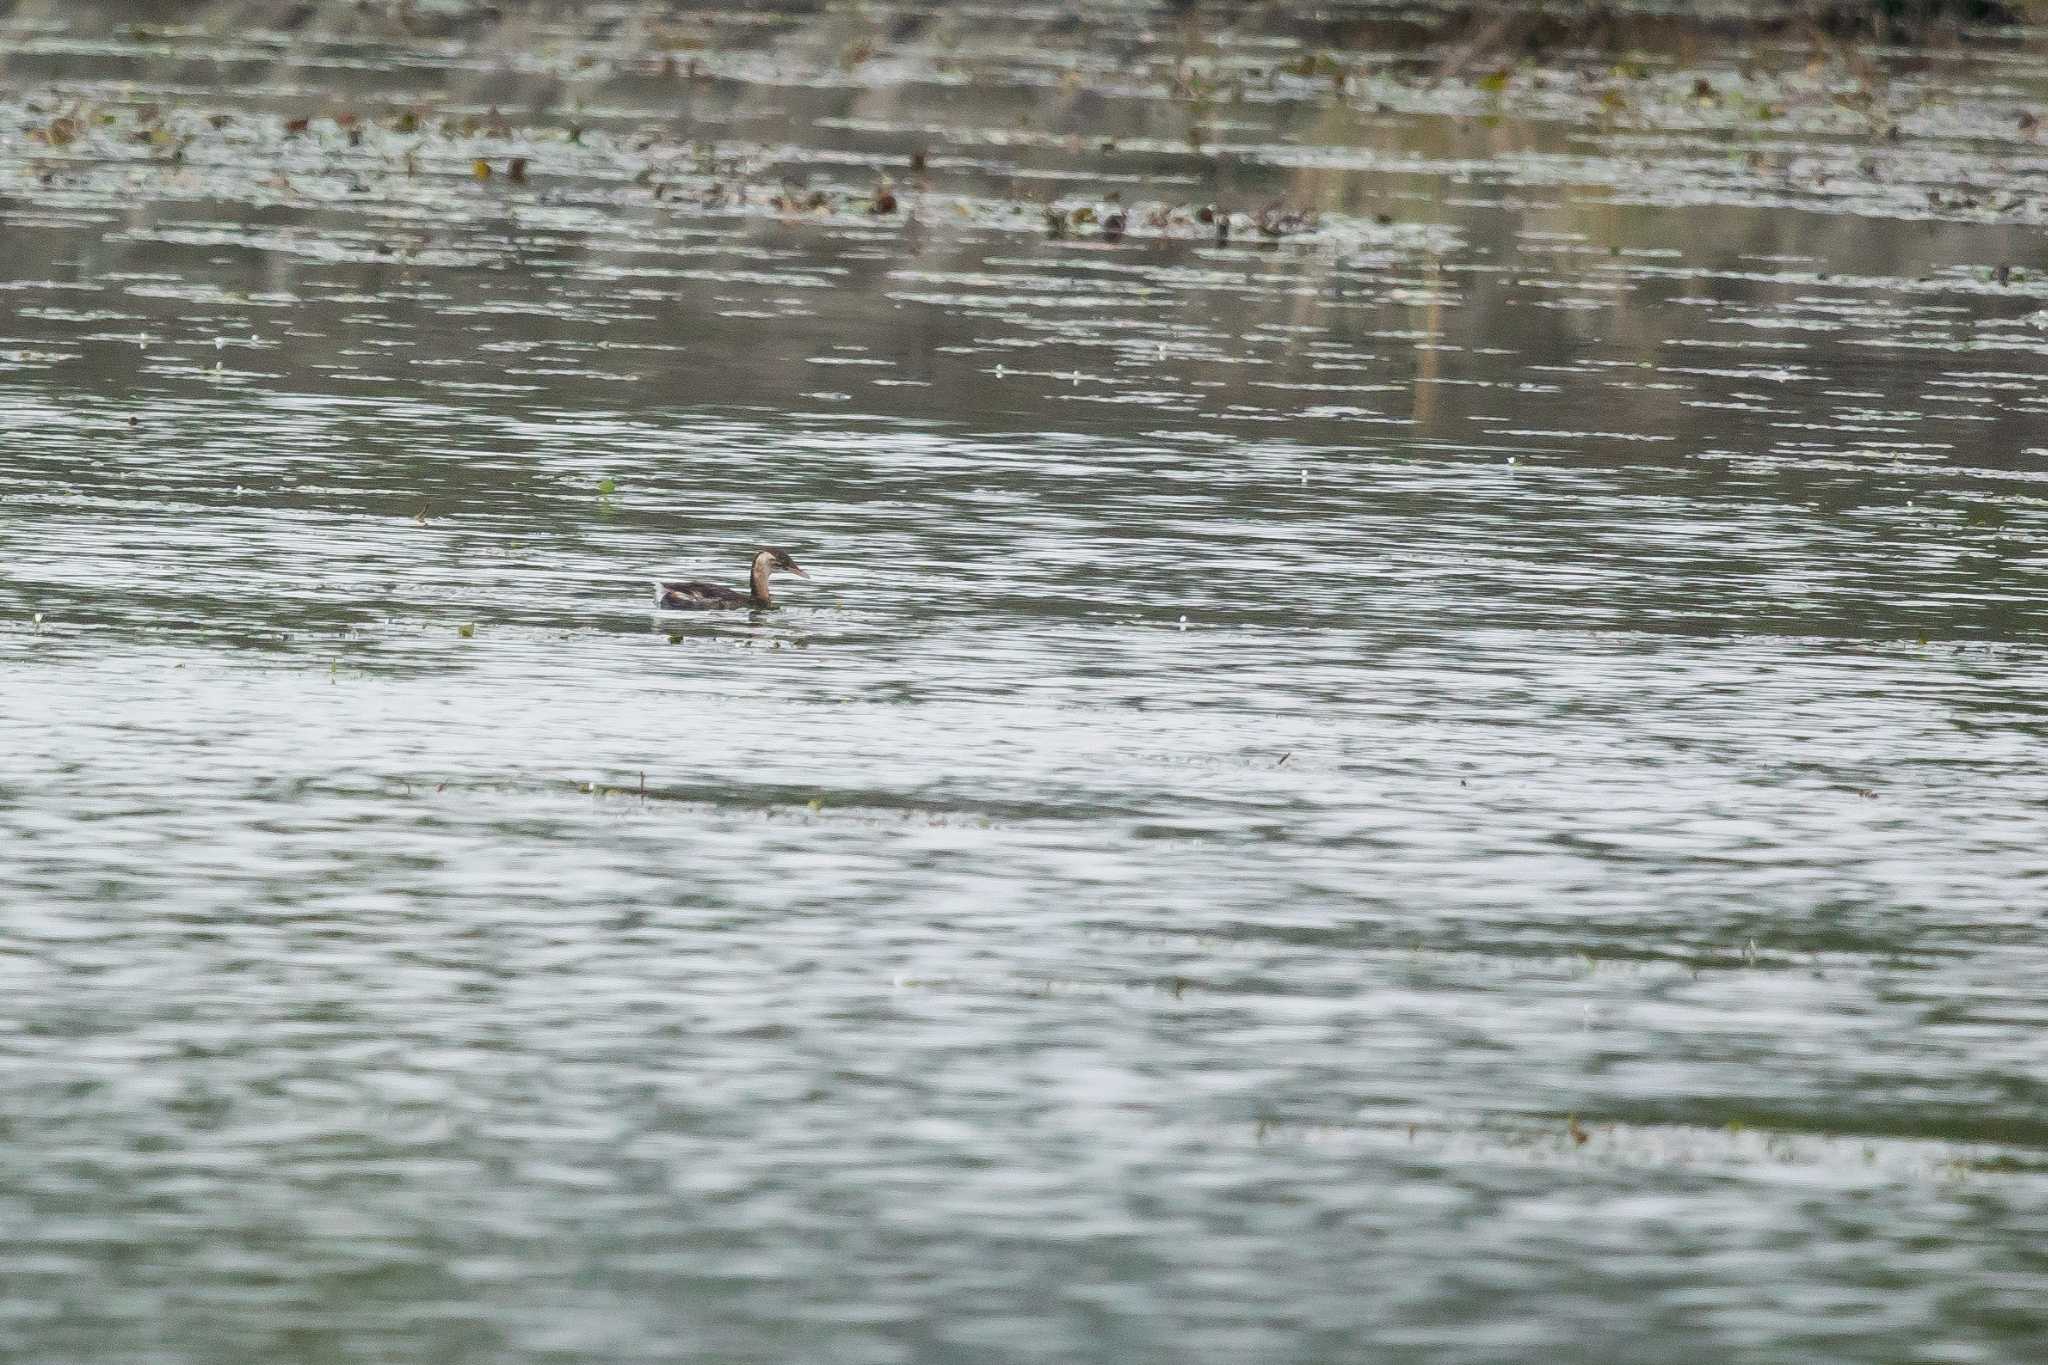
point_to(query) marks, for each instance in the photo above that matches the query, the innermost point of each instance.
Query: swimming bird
(712, 596)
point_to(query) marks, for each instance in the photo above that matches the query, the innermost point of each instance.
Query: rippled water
(1460, 782)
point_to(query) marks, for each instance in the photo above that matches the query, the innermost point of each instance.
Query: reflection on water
(1456, 778)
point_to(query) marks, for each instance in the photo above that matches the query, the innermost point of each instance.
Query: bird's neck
(759, 584)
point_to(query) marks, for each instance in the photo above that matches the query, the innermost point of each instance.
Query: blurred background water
(1455, 776)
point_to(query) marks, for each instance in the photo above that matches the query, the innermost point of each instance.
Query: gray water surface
(1458, 788)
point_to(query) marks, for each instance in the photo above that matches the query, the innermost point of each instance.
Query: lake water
(1455, 780)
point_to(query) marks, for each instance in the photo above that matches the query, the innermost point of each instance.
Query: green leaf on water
(607, 486)
(467, 631)
(1983, 514)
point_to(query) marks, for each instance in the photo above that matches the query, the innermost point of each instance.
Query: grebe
(711, 596)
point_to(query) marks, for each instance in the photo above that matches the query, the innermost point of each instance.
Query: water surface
(1459, 780)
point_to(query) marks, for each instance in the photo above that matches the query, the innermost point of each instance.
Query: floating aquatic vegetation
(1279, 220)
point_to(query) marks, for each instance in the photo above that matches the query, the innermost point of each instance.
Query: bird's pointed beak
(798, 572)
